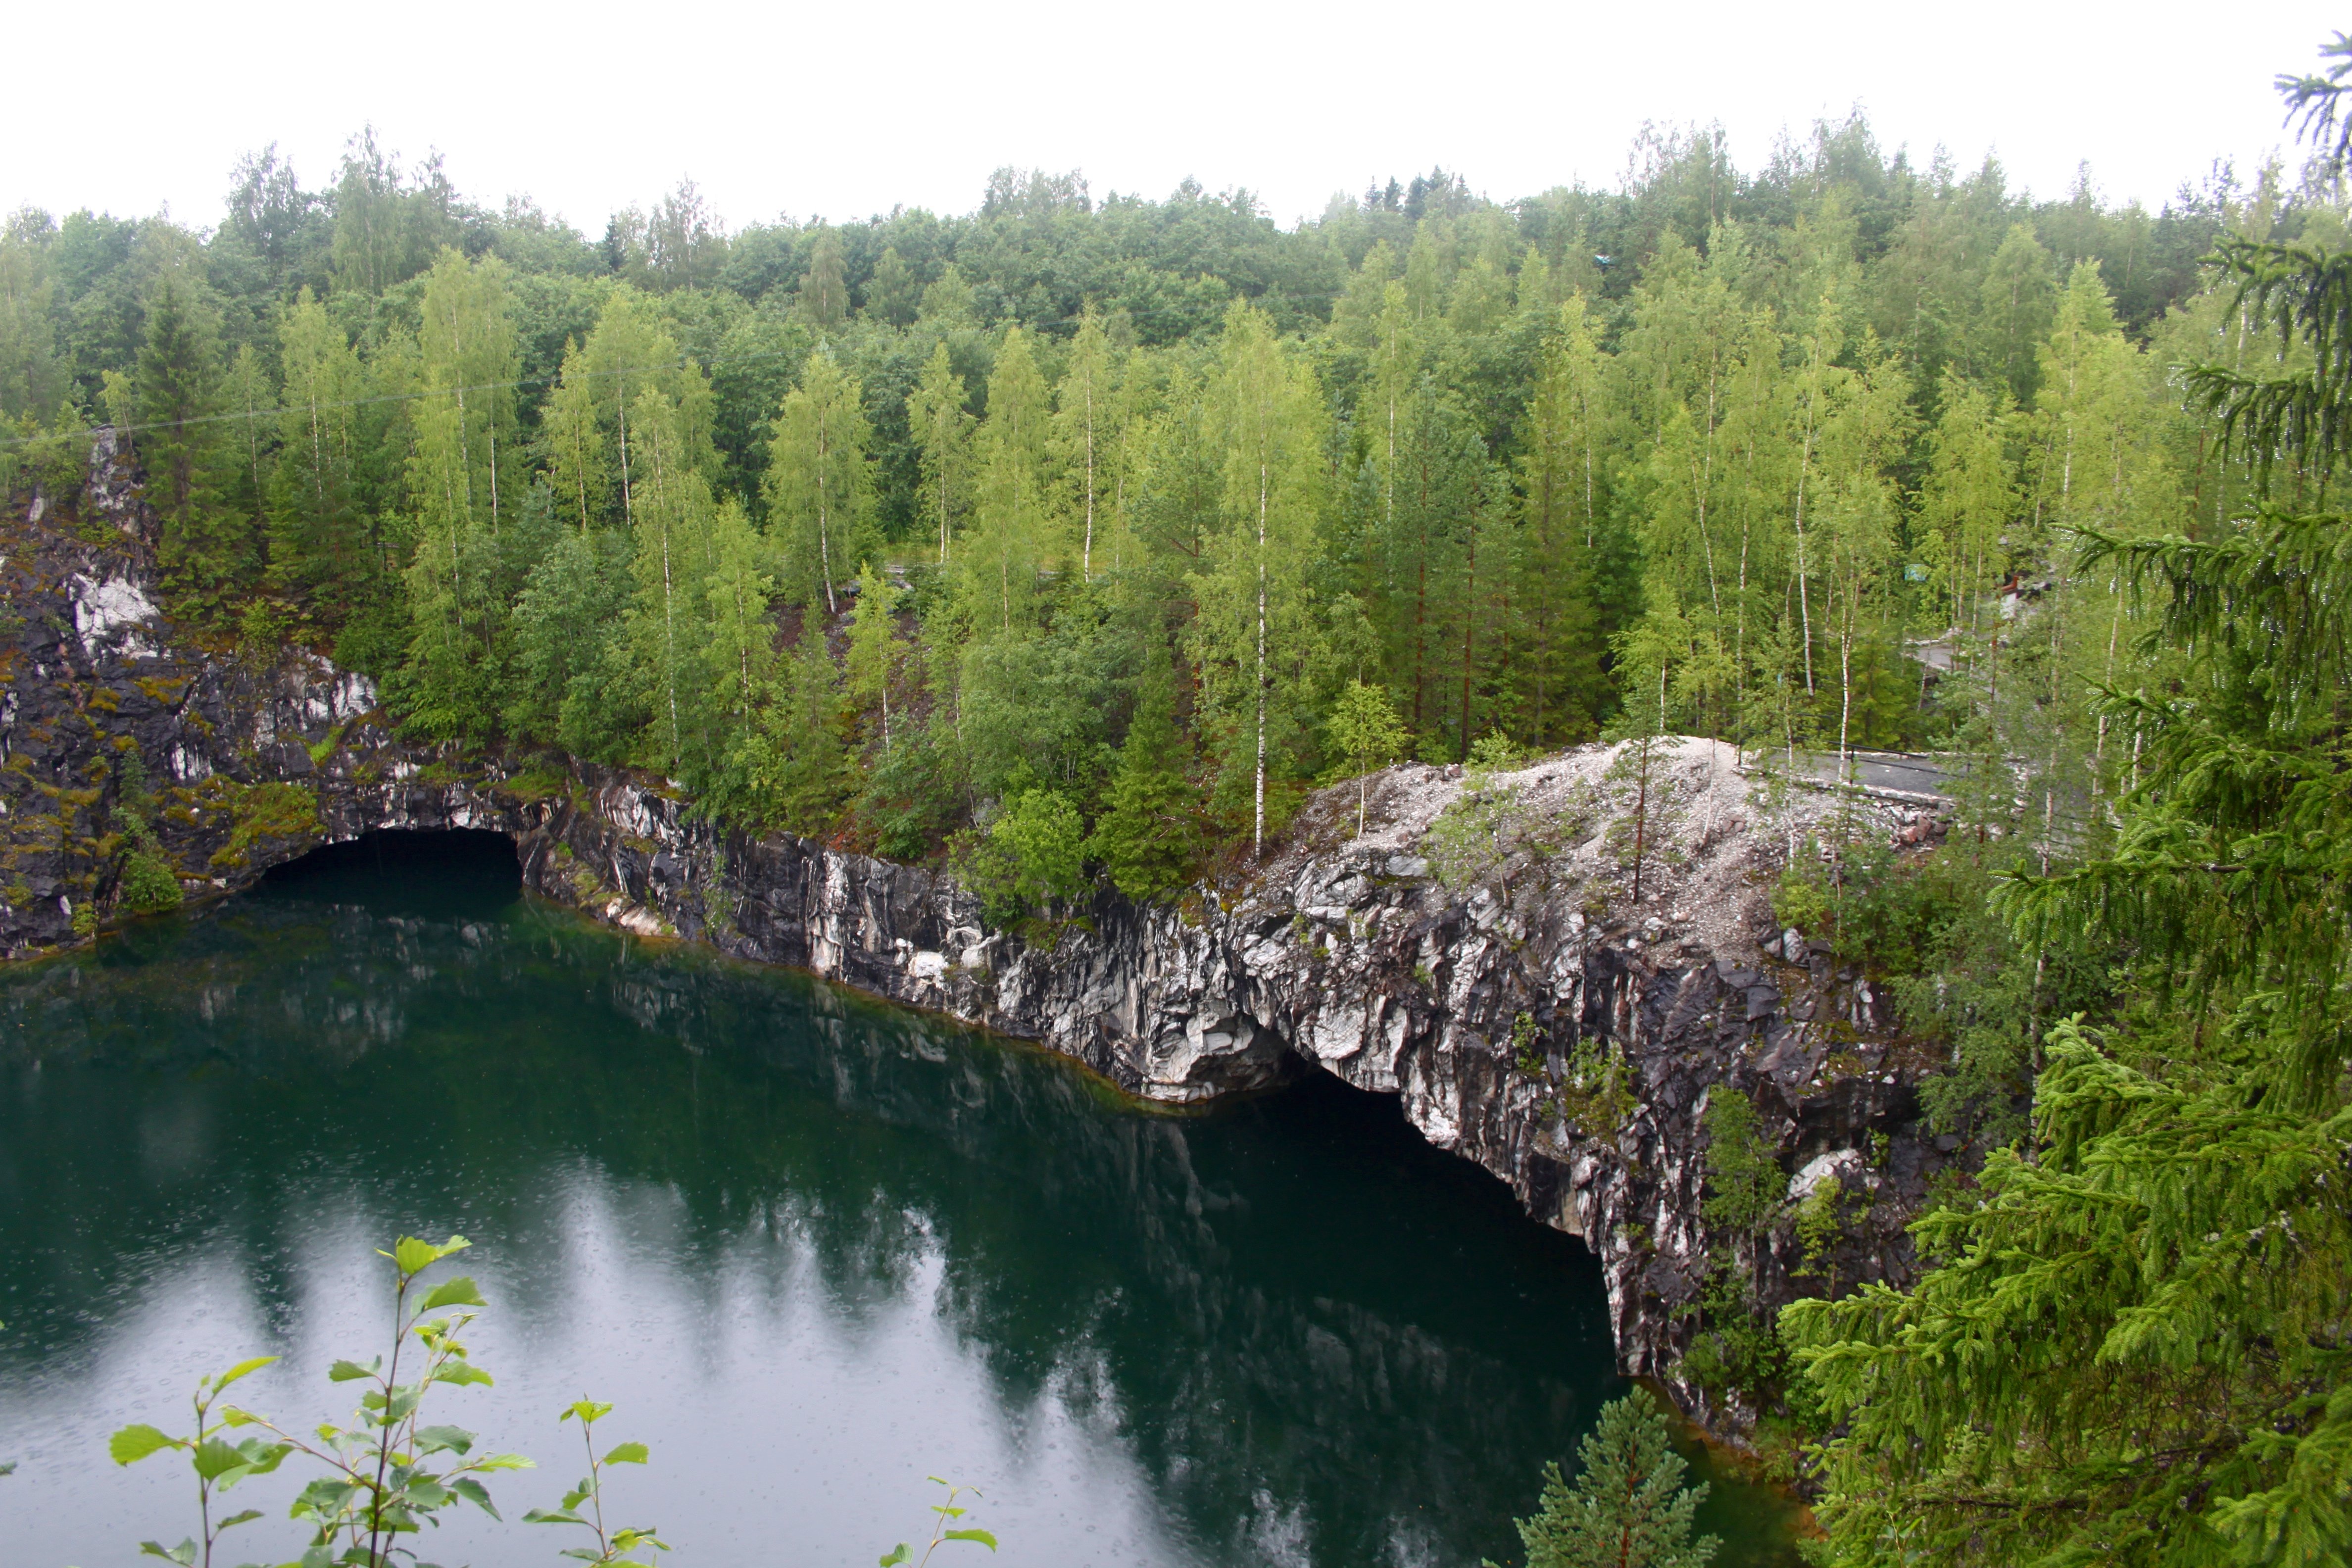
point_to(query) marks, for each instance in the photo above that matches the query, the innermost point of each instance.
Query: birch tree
(820, 482)
(1255, 639)
(941, 426)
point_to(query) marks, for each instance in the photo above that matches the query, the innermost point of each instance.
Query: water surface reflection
(813, 1248)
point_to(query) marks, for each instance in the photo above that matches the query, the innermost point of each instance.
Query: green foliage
(1628, 1507)
(1476, 833)
(1820, 1223)
(265, 811)
(1801, 899)
(1365, 731)
(943, 1529)
(148, 886)
(1744, 1183)
(1410, 463)
(2134, 1348)
(1148, 836)
(1599, 1094)
(387, 1474)
(1032, 857)
(618, 1546)
(1737, 1348)
(1527, 1047)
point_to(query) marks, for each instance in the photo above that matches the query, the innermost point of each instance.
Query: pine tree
(1628, 1507)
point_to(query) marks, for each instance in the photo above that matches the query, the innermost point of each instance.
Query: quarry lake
(812, 1249)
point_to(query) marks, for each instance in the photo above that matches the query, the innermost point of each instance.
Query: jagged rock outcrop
(1529, 1014)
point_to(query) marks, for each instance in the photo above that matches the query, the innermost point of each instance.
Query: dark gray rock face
(1487, 999)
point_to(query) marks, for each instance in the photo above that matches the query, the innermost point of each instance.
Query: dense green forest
(1090, 510)
(1107, 529)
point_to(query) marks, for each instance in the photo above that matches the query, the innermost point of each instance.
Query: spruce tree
(178, 402)
(2137, 1351)
(1628, 1507)
(1148, 834)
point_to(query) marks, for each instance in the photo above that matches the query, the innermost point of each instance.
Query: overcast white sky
(845, 109)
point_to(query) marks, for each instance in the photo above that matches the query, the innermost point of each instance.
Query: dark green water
(814, 1249)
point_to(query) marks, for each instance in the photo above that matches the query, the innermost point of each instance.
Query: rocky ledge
(1477, 951)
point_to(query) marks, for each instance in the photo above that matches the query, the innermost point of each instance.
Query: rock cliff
(1477, 951)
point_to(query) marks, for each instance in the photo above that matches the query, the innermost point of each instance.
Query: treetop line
(1842, 455)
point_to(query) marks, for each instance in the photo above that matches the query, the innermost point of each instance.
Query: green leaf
(475, 1492)
(552, 1516)
(347, 1370)
(502, 1462)
(247, 1517)
(253, 1364)
(585, 1555)
(897, 1555)
(980, 1536)
(134, 1442)
(425, 1494)
(460, 1374)
(260, 1459)
(629, 1454)
(584, 1410)
(414, 1256)
(214, 1458)
(454, 1292)
(184, 1553)
(443, 1439)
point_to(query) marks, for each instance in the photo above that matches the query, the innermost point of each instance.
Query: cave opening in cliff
(447, 871)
